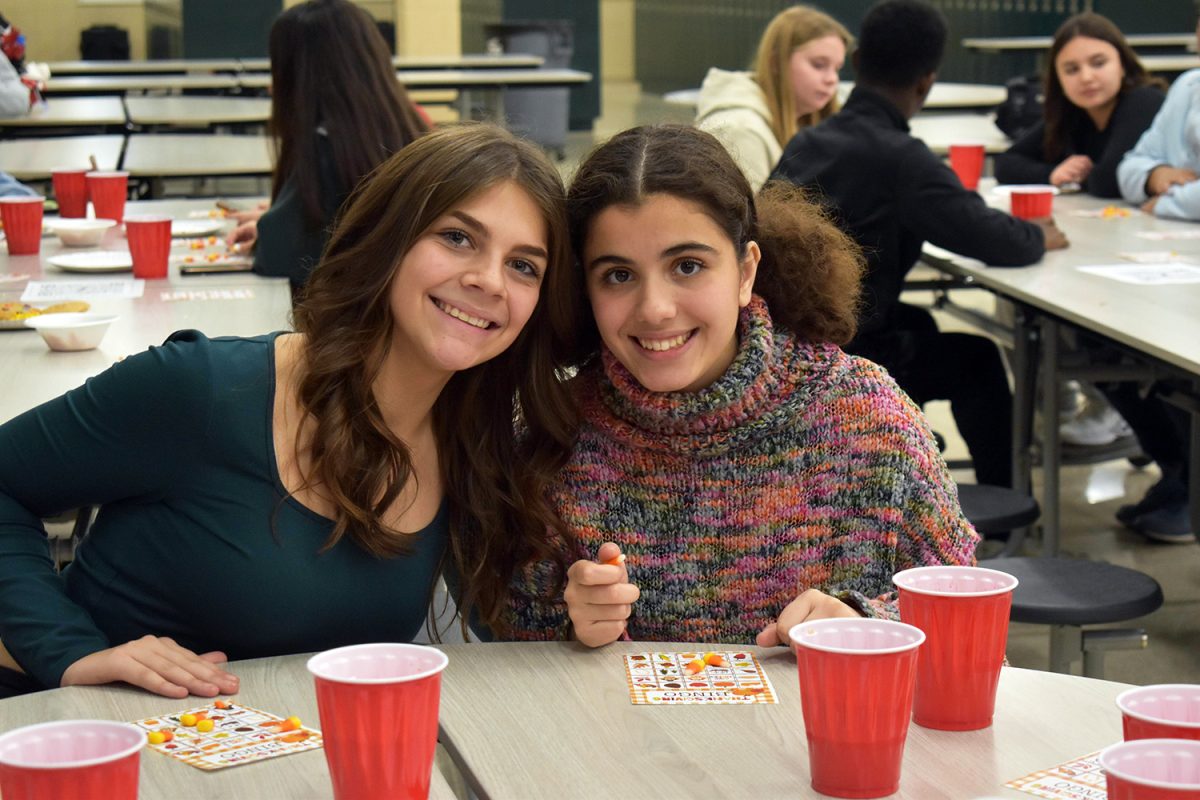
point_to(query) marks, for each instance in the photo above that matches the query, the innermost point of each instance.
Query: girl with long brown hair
(793, 84)
(337, 110)
(300, 491)
(752, 473)
(1098, 101)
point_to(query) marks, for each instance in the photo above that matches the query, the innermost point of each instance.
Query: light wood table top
(197, 111)
(552, 720)
(1160, 321)
(68, 111)
(943, 95)
(464, 61)
(939, 131)
(995, 44)
(161, 155)
(132, 82)
(1180, 63)
(280, 685)
(462, 78)
(33, 159)
(145, 66)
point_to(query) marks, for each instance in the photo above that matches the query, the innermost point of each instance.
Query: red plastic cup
(379, 716)
(22, 218)
(1151, 769)
(1165, 711)
(1032, 202)
(964, 613)
(967, 162)
(856, 690)
(71, 192)
(79, 759)
(108, 191)
(149, 245)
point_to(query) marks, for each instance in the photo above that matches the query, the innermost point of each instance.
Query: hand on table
(242, 238)
(157, 664)
(1163, 178)
(1148, 206)
(811, 604)
(1054, 237)
(249, 214)
(600, 597)
(1073, 169)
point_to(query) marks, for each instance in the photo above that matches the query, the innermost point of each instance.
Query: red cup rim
(896, 579)
(107, 173)
(22, 200)
(972, 145)
(316, 667)
(1149, 744)
(147, 218)
(139, 736)
(1126, 695)
(796, 633)
(70, 170)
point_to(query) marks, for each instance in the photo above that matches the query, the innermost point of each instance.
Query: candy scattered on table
(692, 678)
(204, 725)
(226, 734)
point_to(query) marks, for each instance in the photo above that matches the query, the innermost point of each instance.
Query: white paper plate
(185, 228)
(94, 261)
(1004, 190)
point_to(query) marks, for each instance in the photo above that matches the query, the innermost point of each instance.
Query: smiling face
(813, 72)
(1090, 72)
(470, 282)
(666, 285)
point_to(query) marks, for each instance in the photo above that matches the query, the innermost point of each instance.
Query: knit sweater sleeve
(931, 529)
(536, 609)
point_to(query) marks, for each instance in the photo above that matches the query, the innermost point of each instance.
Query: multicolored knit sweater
(801, 467)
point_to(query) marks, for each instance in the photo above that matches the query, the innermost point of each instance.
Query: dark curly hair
(810, 273)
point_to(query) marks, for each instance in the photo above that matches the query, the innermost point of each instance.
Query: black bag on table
(104, 43)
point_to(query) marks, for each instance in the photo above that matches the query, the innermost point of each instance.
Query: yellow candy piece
(188, 720)
(156, 737)
(204, 725)
(294, 720)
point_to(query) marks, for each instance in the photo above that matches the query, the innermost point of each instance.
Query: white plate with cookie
(94, 261)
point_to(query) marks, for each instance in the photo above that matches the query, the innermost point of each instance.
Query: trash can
(538, 114)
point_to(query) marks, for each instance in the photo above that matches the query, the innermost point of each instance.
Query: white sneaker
(1094, 428)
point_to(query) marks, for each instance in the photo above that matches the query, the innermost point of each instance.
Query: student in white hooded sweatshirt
(793, 85)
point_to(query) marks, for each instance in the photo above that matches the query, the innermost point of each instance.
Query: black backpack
(1022, 107)
(104, 42)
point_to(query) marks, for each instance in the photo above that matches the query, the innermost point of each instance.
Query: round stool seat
(994, 509)
(1069, 591)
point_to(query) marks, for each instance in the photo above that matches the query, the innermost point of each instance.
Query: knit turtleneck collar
(770, 378)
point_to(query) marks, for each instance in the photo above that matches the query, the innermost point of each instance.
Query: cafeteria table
(167, 155)
(66, 112)
(192, 112)
(1179, 63)
(944, 95)
(134, 82)
(144, 66)
(554, 720)
(234, 304)
(996, 44)
(1154, 325)
(464, 61)
(940, 130)
(278, 685)
(33, 159)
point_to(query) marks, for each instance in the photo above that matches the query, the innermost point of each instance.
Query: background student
(337, 111)
(892, 194)
(793, 85)
(1098, 101)
(752, 473)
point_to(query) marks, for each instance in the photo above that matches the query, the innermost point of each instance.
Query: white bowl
(82, 331)
(81, 232)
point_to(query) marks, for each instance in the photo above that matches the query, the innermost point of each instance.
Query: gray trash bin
(538, 114)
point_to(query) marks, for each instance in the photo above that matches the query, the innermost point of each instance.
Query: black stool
(998, 513)
(1067, 593)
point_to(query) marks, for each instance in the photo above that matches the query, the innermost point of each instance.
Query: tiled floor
(1090, 495)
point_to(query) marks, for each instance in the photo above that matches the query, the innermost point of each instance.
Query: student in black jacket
(892, 194)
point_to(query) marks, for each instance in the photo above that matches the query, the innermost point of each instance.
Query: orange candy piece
(692, 667)
(715, 660)
(167, 735)
(221, 704)
(289, 724)
(616, 560)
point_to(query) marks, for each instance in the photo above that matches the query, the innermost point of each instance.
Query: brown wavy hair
(1061, 115)
(495, 485)
(790, 29)
(331, 69)
(810, 274)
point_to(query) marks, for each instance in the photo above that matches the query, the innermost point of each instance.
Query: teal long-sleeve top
(195, 538)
